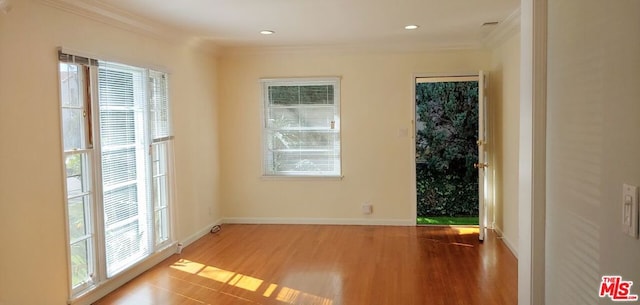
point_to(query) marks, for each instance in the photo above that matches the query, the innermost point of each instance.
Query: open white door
(424, 136)
(482, 155)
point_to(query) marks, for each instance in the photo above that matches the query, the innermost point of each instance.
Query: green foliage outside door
(446, 149)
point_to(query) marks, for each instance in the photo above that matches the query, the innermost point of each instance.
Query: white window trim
(336, 82)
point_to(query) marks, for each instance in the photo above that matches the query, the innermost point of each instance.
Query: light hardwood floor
(331, 265)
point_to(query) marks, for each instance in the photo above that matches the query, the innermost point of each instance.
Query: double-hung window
(117, 147)
(301, 128)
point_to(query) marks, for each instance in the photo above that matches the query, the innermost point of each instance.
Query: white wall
(592, 145)
(33, 260)
(504, 104)
(377, 163)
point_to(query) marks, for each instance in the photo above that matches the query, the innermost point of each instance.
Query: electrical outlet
(367, 208)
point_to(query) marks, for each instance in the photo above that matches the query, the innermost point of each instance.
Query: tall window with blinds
(301, 129)
(117, 147)
(122, 107)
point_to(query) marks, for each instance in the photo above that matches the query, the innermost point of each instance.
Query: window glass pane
(77, 168)
(73, 128)
(284, 95)
(296, 151)
(74, 185)
(302, 94)
(125, 245)
(160, 192)
(116, 87)
(304, 117)
(159, 105)
(119, 166)
(322, 94)
(317, 117)
(303, 140)
(120, 125)
(160, 158)
(162, 231)
(120, 205)
(311, 162)
(80, 263)
(78, 212)
(71, 85)
(283, 118)
(73, 164)
(74, 175)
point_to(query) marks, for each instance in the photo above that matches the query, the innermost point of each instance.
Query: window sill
(301, 178)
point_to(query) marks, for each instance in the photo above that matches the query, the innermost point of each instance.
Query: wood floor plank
(331, 265)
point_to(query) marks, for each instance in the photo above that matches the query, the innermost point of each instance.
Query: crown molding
(124, 20)
(505, 30)
(345, 49)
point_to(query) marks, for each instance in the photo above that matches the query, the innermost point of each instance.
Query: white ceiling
(297, 23)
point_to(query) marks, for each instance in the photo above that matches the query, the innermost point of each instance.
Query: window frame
(265, 83)
(90, 152)
(140, 151)
(84, 71)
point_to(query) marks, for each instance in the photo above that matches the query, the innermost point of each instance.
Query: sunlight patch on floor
(466, 230)
(245, 282)
(216, 274)
(249, 283)
(267, 293)
(293, 296)
(187, 266)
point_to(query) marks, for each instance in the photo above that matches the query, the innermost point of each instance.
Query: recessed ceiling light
(411, 27)
(267, 32)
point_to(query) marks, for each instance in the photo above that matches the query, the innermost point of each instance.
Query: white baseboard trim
(320, 221)
(200, 233)
(506, 241)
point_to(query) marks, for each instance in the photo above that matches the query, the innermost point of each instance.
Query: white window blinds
(122, 133)
(159, 106)
(301, 127)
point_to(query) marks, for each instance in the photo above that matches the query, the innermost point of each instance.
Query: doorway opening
(449, 150)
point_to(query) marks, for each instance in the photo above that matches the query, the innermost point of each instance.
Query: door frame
(532, 155)
(489, 202)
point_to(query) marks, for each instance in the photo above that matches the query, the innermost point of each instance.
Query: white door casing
(482, 156)
(481, 165)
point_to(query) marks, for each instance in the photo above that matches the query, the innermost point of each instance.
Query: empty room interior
(319, 152)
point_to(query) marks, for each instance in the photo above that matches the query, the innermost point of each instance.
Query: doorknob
(480, 165)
